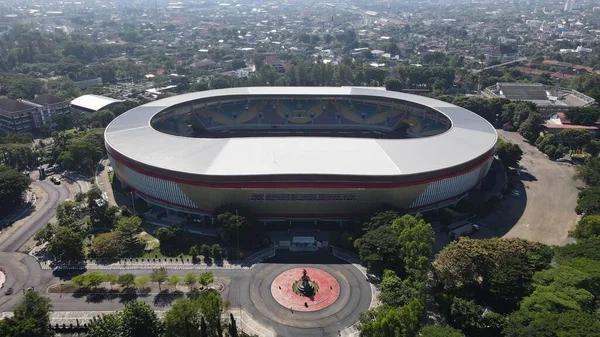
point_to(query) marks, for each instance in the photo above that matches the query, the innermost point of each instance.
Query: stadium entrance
(301, 244)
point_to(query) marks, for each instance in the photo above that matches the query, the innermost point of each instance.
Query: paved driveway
(545, 210)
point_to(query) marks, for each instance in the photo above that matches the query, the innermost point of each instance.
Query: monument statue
(305, 287)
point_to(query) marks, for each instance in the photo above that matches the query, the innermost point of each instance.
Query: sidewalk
(243, 322)
(247, 324)
(130, 264)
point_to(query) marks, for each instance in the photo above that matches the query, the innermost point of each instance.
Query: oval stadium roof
(131, 135)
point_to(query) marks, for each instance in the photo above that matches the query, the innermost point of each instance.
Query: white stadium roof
(93, 102)
(131, 136)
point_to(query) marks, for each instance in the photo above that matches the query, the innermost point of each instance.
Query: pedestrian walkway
(246, 323)
(130, 264)
(74, 318)
(351, 331)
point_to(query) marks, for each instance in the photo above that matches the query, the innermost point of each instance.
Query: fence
(260, 256)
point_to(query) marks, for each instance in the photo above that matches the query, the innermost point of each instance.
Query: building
(91, 103)
(308, 152)
(16, 116)
(274, 62)
(47, 106)
(548, 99)
(502, 54)
(559, 121)
(94, 82)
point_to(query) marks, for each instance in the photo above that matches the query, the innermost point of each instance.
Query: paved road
(56, 195)
(544, 212)
(247, 289)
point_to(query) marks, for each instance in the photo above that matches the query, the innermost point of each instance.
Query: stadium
(300, 152)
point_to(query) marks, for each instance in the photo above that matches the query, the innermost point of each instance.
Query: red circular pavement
(281, 289)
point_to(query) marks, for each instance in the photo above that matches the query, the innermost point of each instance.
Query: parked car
(373, 278)
(464, 231)
(9, 291)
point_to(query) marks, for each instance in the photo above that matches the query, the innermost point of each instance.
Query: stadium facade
(309, 152)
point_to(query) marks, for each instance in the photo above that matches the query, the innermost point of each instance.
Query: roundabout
(342, 295)
(286, 289)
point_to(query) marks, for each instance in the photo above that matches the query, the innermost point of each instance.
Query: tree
(190, 280)
(393, 84)
(205, 252)
(107, 325)
(44, 234)
(12, 186)
(93, 279)
(509, 153)
(395, 292)
(31, 317)
(378, 249)
(380, 219)
(174, 280)
(107, 245)
(582, 249)
(140, 320)
(206, 278)
(415, 242)
(439, 331)
(216, 251)
(589, 201)
(530, 129)
(66, 244)
(575, 139)
(128, 227)
(68, 209)
(589, 172)
(111, 279)
(211, 307)
(103, 117)
(587, 227)
(391, 322)
(491, 270)
(78, 280)
(142, 281)
(583, 115)
(126, 280)
(183, 319)
(159, 276)
(593, 147)
(194, 252)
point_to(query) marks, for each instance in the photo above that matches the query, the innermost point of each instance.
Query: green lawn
(152, 245)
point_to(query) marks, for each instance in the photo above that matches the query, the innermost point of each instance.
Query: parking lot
(543, 211)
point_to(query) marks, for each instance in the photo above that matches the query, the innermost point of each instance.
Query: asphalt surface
(56, 195)
(545, 210)
(247, 289)
(253, 293)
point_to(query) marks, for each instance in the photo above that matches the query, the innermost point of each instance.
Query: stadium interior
(300, 116)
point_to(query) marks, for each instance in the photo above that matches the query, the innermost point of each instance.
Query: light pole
(237, 228)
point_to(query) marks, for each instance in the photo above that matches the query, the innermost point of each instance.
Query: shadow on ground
(167, 297)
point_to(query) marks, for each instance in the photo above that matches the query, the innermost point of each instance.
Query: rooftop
(13, 106)
(93, 102)
(131, 135)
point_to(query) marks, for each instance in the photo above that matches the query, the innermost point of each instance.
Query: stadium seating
(524, 92)
(299, 112)
(424, 128)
